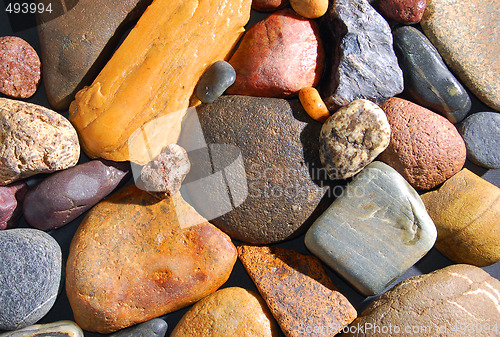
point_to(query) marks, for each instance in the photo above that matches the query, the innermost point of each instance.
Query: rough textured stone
(464, 33)
(458, 300)
(375, 231)
(56, 329)
(425, 148)
(228, 312)
(278, 56)
(215, 81)
(279, 152)
(30, 270)
(269, 5)
(363, 61)
(311, 9)
(152, 328)
(466, 211)
(11, 201)
(34, 140)
(352, 138)
(298, 291)
(134, 258)
(427, 79)
(406, 12)
(481, 133)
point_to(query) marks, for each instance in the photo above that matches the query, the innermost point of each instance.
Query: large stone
(427, 79)
(458, 300)
(30, 270)
(301, 296)
(465, 34)
(425, 148)
(134, 258)
(56, 329)
(11, 201)
(152, 328)
(466, 211)
(363, 63)
(375, 231)
(228, 312)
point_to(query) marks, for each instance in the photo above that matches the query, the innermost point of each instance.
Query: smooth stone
(134, 258)
(278, 56)
(459, 300)
(352, 138)
(465, 33)
(427, 78)
(407, 12)
(215, 81)
(363, 63)
(11, 201)
(297, 290)
(375, 231)
(481, 133)
(56, 329)
(269, 5)
(30, 267)
(228, 312)
(425, 148)
(311, 9)
(152, 328)
(466, 211)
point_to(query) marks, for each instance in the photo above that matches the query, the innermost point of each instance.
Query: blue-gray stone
(481, 133)
(56, 329)
(30, 270)
(427, 78)
(220, 76)
(153, 328)
(375, 231)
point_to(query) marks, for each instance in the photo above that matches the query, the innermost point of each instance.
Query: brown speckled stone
(467, 35)
(298, 291)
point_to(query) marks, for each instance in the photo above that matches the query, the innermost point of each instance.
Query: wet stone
(215, 81)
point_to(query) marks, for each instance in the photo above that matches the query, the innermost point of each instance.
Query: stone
(460, 30)
(215, 81)
(276, 188)
(228, 312)
(134, 258)
(481, 133)
(30, 269)
(313, 104)
(76, 45)
(427, 78)
(407, 12)
(459, 300)
(11, 201)
(34, 140)
(363, 63)
(278, 56)
(373, 232)
(466, 211)
(56, 329)
(311, 9)
(269, 5)
(352, 138)
(297, 290)
(425, 148)
(152, 328)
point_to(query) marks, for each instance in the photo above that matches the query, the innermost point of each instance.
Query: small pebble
(215, 81)
(152, 328)
(407, 12)
(269, 5)
(310, 9)
(11, 199)
(313, 104)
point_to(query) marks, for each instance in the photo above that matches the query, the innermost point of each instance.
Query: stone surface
(228, 312)
(56, 329)
(362, 59)
(277, 149)
(481, 133)
(134, 258)
(30, 270)
(298, 291)
(459, 300)
(269, 5)
(34, 140)
(11, 201)
(152, 328)
(311, 9)
(466, 211)
(427, 79)
(313, 104)
(76, 45)
(425, 148)
(407, 12)
(352, 138)
(464, 33)
(215, 81)
(278, 56)
(375, 231)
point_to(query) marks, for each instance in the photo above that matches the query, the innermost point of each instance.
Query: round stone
(215, 81)
(310, 9)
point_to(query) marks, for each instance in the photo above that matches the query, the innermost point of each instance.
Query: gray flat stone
(152, 328)
(56, 329)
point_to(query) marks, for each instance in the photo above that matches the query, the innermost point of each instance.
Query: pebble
(152, 328)
(215, 81)
(352, 138)
(269, 5)
(56, 329)
(407, 12)
(30, 270)
(427, 78)
(481, 133)
(425, 148)
(228, 312)
(373, 232)
(11, 200)
(466, 211)
(313, 104)
(311, 9)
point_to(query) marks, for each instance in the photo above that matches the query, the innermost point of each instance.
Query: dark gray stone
(30, 270)
(56, 329)
(427, 78)
(153, 328)
(481, 133)
(364, 64)
(220, 76)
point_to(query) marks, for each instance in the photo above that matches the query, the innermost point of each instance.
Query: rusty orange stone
(313, 104)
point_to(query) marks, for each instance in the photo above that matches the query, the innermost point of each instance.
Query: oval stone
(56, 329)
(215, 81)
(407, 12)
(152, 328)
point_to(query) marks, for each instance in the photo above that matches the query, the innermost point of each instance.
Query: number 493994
(25, 8)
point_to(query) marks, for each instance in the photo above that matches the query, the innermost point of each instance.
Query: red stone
(406, 12)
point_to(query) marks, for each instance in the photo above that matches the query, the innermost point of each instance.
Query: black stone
(427, 78)
(153, 328)
(220, 76)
